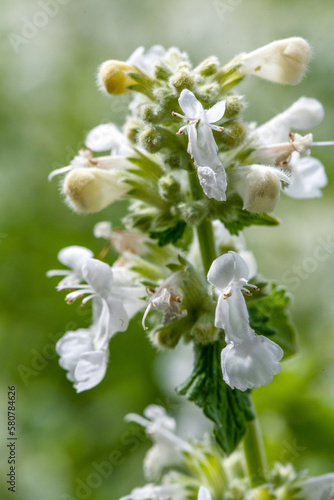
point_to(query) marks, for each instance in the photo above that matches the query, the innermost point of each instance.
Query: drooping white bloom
(153, 492)
(259, 186)
(84, 353)
(73, 257)
(282, 61)
(318, 488)
(248, 360)
(203, 494)
(167, 300)
(201, 144)
(167, 448)
(86, 364)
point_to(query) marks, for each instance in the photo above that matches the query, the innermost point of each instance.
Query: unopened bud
(151, 113)
(233, 134)
(193, 212)
(169, 188)
(179, 160)
(131, 129)
(151, 140)
(208, 67)
(113, 77)
(204, 330)
(182, 80)
(89, 190)
(234, 105)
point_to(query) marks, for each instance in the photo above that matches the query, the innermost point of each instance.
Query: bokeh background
(49, 101)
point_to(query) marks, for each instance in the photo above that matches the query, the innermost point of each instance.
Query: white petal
(213, 183)
(146, 61)
(207, 147)
(215, 113)
(252, 363)
(189, 104)
(318, 488)
(71, 346)
(308, 177)
(103, 137)
(305, 113)
(221, 272)
(99, 276)
(90, 370)
(203, 494)
(240, 267)
(74, 257)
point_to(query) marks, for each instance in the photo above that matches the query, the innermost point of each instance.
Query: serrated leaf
(169, 234)
(268, 316)
(228, 408)
(235, 218)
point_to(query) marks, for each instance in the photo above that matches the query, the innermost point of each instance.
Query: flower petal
(189, 104)
(252, 363)
(74, 257)
(213, 183)
(203, 494)
(216, 112)
(308, 177)
(221, 271)
(90, 370)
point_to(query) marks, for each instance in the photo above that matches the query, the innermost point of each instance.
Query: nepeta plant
(195, 174)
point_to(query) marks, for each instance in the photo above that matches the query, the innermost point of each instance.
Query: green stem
(255, 454)
(204, 228)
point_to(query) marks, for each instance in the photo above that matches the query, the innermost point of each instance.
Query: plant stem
(254, 453)
(204, 228)
(252, 442)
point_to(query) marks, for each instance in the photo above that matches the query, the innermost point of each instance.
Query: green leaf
(169, 234)
(228, 408)
(268, 316)
(235, 218)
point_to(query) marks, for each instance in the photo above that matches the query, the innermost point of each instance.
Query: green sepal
(228, 408)
(170, 234)
(235, 218)
(268, 316)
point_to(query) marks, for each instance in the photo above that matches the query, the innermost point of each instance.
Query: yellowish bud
(91, 190)
(113, 77)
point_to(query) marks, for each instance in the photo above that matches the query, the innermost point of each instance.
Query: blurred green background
(49, 101)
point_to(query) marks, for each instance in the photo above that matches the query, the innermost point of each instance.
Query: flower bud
(113, 77)
(169, 188)
(131, 129)
(151, 113)
(259, 187)
(204, 330)
(283, 61)
(208, 67)
(182, 80)
(179, 160)
(192, 212)
(89, 190)
(233, 134)
(234, 104)
(151, 140)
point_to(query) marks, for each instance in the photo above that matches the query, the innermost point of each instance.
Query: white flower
(259, 186)
(108, 137)
(283, 61)
(167, 300)
(153, 492)
(146, 61)
(86, 365)
(303, 114)
(318, 488)
(308, 176)
(168, 447)
(201, 144)
(203, 494)
(280, 153)
(248, 360)
(84, 353)
(73, 257)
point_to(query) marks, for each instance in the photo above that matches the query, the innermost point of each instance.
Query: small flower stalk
(194, 174)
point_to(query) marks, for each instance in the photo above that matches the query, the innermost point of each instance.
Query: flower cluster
(194, 174)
